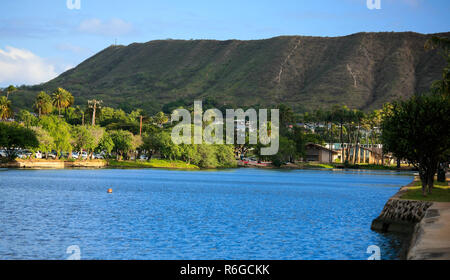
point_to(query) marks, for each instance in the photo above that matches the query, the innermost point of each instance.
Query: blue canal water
(164, 214)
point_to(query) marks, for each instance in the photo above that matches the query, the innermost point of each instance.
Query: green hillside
(362, 71)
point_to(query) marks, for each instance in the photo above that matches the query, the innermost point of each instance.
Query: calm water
(162, 214)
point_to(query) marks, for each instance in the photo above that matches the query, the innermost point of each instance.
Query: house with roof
(318, 153)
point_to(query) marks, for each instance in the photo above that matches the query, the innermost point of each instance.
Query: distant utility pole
(140, 125)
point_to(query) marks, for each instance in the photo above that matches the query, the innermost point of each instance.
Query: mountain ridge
(361, 70)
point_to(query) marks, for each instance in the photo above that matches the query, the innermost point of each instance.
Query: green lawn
(154, 163)
(436, 184)
(375, 166)
(351, 166)
(318, 165)
(441, 193)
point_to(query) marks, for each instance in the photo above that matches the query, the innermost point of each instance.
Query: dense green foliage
(286, 152)
(46, 141)
(122, 142)
(87, 138)
(153, 163)
(63, 130)
(5, 108)
(59, 130)
(418, 130)
(27, 118)
(14, 137)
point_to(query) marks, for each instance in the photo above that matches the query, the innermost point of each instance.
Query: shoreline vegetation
(98, 163)
(153, 163)
(304, 165)
(179, 164)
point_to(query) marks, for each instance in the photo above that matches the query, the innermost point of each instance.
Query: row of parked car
(24, 154)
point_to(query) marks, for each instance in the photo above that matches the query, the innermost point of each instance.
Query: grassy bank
(342, 166)
(379, 167)
(441, 193)
(315, 165)
(154, 163)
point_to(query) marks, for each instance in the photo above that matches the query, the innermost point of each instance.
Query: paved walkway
(431, 240)
(432, 236)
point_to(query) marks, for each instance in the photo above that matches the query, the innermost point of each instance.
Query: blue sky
(40, 39)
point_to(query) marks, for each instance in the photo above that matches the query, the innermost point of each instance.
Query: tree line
(339, 124)
(60, 128)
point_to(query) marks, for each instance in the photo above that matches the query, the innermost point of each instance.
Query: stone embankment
(400, 215)
(426, 223)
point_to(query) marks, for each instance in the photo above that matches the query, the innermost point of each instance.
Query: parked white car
(143, 157)
(38, 155)
(98, 156)
(24, 155)
(3, 153)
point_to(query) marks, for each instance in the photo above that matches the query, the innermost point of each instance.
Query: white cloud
(21, 66)
(113, 27)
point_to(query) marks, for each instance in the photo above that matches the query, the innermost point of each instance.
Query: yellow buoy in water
(109, 190)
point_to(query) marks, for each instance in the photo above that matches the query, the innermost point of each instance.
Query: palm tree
(5, 108)
(43, 104)
(62, 99)
(160, 119)
(70, 100)
(10, 90)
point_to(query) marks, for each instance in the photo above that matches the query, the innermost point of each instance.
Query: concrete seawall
(426, 223)
(88, 164)
(54, 164)
(400, 215)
